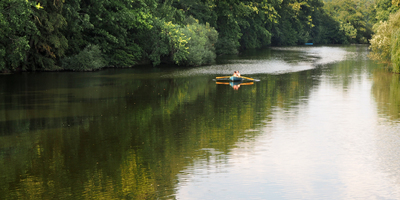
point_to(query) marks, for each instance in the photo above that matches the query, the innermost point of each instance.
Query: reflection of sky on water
(388, 148)
(333, 145)
(280, 60)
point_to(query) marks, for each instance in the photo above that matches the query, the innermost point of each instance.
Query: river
(323, 122)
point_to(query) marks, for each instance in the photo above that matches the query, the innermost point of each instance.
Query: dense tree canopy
(385, 43)
(16, 25)
(354, 17)
(86, 35)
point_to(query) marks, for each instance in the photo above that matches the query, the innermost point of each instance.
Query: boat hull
(235, 79)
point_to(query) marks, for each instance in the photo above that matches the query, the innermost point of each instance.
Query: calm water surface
(323, 122)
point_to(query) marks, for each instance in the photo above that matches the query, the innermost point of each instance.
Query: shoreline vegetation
(76, 35)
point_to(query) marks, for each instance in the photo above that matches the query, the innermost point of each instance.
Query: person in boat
(236, 73)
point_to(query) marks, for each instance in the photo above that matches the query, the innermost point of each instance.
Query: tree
(384, 8)
(354, 19)
(201, 39)
(296, 22)
(384, 43)
(15, 27)
(327, 30)
(112, 25)
(164, 43)
(395, 51)
(89, 59)
(254, 20)
(48, 44)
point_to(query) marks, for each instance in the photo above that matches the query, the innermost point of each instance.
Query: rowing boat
(235, 78)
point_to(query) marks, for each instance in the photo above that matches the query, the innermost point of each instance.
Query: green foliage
(202, 10)
(201, 40)
(78, 22)
(253, 17)
(176, 41)
(396, 3)
(38, 35)
(48, 44)
(240, 24)
(113, 25)
(126, 56)
(349, 31)
(154, 44)
(15, 26)
(395, 53)
(164, 43)
(326, 30)
(354, 17)
(166, 11)
(284, 33)
(192, 44)
(383, 9)
(382, 40)
(296, 22)
(226, 45)
(228, 28)
(87, 60)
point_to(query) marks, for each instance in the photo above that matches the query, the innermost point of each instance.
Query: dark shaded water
(322, 123)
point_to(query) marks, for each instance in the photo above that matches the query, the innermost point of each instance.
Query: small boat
(309, 44)
(236, 78)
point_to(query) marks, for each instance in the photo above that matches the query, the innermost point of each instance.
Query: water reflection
(386, 90)
(234, 85)
(329, 144)
(387, 96)
(113, 136)
(174, 133)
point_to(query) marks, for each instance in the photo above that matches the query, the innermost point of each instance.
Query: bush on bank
(385, 41)
(396, 51)
(201, 40)
(89, 59)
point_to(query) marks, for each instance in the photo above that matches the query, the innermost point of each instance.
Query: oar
(222, 83)
(247, 78)
(223, 77)
(248, 83)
